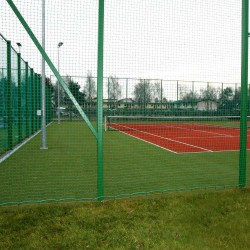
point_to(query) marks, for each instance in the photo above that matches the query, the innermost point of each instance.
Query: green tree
(74, 88)
(237, 99)
(90, 87)
(209, 94)
(55, 95)
(114, 88)
(237, 94)
(156, 91)
(143, 92)
(226, 100)
(190, 96)
(227, 94)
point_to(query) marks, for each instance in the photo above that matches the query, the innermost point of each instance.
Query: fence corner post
(244, 95)
(100, 101)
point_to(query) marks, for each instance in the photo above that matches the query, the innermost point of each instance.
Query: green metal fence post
(19, 97)
(192, 102)
(32, 100)
(26, 99)
(35, 101)
(244, 94)
(127, 92)
(161, 94)
(109, 104)
(39, 99)
(50, 105)
(100, 100)
(90, 98)
(177, 91)
(207, 101)
(9, 82)
(144, 98)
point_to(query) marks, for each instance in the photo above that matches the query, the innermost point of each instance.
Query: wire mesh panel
(22, 101)
(165, 81)
(188, 46)
(29, 103)
(14, 95)
(3, 96)
(67, 169)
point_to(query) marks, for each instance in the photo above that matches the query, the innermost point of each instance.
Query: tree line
(145, 92)
(226, 98)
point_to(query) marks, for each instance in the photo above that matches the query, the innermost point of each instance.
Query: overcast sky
(196, 40)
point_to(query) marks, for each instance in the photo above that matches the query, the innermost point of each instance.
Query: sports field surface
(185, 137)
(68, 169)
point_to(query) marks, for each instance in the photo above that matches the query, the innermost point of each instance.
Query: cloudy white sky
(196, 40)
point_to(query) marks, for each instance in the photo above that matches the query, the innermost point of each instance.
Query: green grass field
(68, 169)
(181, 220)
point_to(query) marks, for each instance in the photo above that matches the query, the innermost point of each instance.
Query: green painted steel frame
(27, 98)
(244, 94)
(100, 100)
(35, 101)
(99, 133)
(32, 100)
(9, 82)
(51, 65)
(19, 97)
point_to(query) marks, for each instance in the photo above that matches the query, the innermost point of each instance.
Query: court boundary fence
(22, 99)
(98, 133)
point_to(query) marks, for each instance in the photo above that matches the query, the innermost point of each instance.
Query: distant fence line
(169, 90)
(155, 97)
(20, 98)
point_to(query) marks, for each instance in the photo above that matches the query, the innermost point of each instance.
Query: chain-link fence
(141, 97)
(20, 91)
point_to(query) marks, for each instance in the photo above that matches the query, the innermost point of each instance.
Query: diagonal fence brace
(51, 65)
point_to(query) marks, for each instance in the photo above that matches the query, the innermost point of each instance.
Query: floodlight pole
(58, 85)
(44, 138)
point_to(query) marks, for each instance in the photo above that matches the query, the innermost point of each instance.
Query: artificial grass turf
(180, 220)
(68, 169)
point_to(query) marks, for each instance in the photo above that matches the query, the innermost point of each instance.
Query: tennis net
(131, 123)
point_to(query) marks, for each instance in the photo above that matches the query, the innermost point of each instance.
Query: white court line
(165, 138)
(149, 142)
(18, 146)
(208, 132)
(217, 151)
(202, 137)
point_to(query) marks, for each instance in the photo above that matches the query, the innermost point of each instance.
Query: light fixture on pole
(58, 86)
(19, 46)
(60, 44)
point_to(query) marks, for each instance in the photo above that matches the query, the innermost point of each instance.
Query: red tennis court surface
(185, 138)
